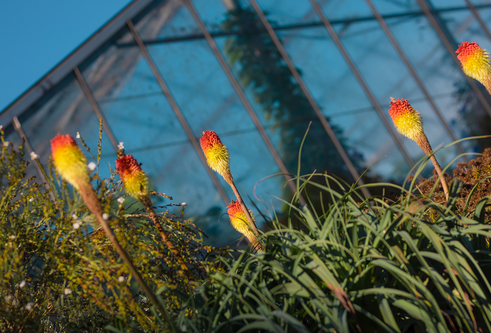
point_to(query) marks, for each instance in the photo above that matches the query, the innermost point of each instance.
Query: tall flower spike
(217, 155)
(218, 160)
(408, 122)
(71, 164)
(134, 179)
(475, 63)
(135, 183)
(69, 160)
(239, 221)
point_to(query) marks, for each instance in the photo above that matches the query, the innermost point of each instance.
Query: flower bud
(135, 181)
(69, 160)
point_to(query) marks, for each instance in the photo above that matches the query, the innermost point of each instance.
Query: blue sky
(37, 35)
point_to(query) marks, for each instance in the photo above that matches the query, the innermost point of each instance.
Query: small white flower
(78, 135)
(22, 284)
(121, 200)
(31, 199)
(76, 225)
(5, 143)
(34, 156)
(184, 204)
(183, 328)
(67, 291)
(74, 216)
(105, 216)
(7, 298)
(146, 309)
(15, 302)
(29, 306)
(121, 146)
(12, 236)
(92, 166)
(121, 279)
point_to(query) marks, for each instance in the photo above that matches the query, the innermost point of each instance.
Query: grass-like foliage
(373, 265)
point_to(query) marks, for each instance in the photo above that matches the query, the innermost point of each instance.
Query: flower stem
(424, 144)
(148, 205)
(253, 226)
(90, 198)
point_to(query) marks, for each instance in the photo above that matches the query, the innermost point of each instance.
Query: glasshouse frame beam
(362, 82)
(177, 110)
(478, 18)
(65, 67)
(451, 50)
(95, 106)
(297, 26)
(415, 76)
(244, 99)
(327, 127)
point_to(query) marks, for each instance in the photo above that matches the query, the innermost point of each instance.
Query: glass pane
(440, 74)
(64, 110)
(130, 97)
(167, 20)
(191, 66)
(402, 7)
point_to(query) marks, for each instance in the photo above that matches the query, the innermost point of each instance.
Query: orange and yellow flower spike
(238, 219)
(475, 63)
(71, 164)
(408, 122)
(217, 155)
(218, 159)
(69, 160)
(135, 181)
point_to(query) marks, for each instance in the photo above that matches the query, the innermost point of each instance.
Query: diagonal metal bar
(362, 82)
(244, 100)
(95, 106)
(23, 136)
(424, 6)
(478, 18)
(195, 36)
(177, 110)
(337, 144)
(415, 76)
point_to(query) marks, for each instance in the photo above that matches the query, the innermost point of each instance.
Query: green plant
(59, 272)
(373, 265)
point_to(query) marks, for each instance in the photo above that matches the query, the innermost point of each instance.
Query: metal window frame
(65, 67)
(415, 76)
(244, 99)
(175, 107)
(440, 30)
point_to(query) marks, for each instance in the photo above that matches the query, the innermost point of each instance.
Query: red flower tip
(62, 141)
(233, 208)
(134, 179)
(466, 49)
(399, 106)
(208, 140)
(127, 164)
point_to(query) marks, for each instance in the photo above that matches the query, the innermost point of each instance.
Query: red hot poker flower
(216, 153)
(69, 160)
(239, 220)
(475, 63)
(406, 120)
(134, 179)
